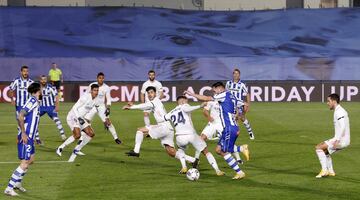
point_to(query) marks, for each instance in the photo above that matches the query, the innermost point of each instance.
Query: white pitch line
(41, 162)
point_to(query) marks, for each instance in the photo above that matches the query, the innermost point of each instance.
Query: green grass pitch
(283, 162)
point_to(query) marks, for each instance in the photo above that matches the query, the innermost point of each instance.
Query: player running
(78, 123)
(28, 118)
(103, 110)
(185, 132)
(162, 131)
(230, 128)
(214, 129)
(50, 105)
(239, 90)
(144, 96)
(340, 141)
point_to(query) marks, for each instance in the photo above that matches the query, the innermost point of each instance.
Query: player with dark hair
(230, 128)
(78, 123)
(103, 110)
(340, 141)
(28, 118)
(144, 95)
(162, 131)
(18, 89)
(50, 105)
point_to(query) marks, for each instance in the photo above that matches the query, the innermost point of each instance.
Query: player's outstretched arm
(199, 97)
(143, 106)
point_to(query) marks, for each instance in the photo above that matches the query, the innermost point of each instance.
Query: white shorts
(211, 130)
(100, 112)
(332, 149)
(73, 122)
(164, 132)
(194, 139)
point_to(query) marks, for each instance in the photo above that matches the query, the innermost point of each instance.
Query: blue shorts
(50, 111)
(17, 109)
(228, 138)
(25, 150)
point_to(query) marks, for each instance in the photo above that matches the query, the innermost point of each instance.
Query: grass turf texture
(283, 162)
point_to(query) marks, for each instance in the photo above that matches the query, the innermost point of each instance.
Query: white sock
(212, 161)
(139, 137)
(187, 158)
(86, 139)
(322, 158)
(68, 141)
(113, 131)
(147, 120)
(329, 163)
(197, 154)
(181, 156)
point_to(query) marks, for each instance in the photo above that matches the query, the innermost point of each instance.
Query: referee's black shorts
(56, 84)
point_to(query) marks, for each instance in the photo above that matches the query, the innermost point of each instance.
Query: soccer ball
(193, 174)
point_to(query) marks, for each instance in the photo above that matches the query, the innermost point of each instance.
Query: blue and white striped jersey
(20, 86)
(32, 117)
(49, 94)
(238, 89)
(227, 108)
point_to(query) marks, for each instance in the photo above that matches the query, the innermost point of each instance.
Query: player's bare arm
(24, 137)
(199, 97)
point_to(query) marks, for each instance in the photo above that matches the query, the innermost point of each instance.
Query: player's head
(333, 100)
(34, 90)
(182, 100)
(94, 90)
(100, 78)
(236, 74)
(24, 71)
(151, 92)
(54, 65)
(218, 87)
(151, 75)
(43, 80)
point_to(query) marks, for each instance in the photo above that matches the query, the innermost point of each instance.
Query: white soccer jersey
(181, 119)
(342, 125)
(155, 84)
(155, 106)
(214, 108)
(238, 89)
(104, 91)
(84, 105)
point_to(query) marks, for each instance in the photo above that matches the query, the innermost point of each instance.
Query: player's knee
(170, 151)
(218, 150)
(205, 151)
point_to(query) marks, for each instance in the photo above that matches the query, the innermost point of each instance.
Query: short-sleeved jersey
(55, 74)
(84, 105)
(342, 124)
(227, 108)
(238, 89)
(180, 117)
(32, 117)
(49, 94)
(148, 83)
(155, 106)
(214, 108)
(104, 92)
(20, 86)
